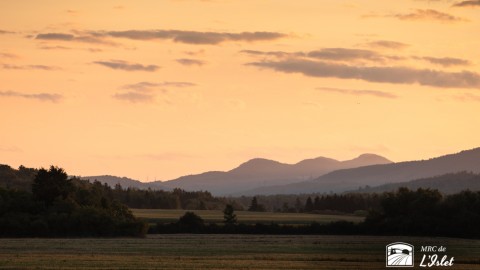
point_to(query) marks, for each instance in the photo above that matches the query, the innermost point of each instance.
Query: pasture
(220, 252)
(247, 217)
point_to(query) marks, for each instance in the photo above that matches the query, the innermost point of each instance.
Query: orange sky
(158, 89)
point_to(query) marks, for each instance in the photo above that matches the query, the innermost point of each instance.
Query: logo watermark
(399, 254)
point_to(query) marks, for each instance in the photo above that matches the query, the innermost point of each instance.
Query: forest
(58, 206)
(49, 203)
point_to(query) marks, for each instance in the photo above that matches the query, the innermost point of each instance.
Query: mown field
(220, 252)
(215, 216)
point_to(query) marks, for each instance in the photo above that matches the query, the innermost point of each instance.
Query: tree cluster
(58, 206)
(426, 212)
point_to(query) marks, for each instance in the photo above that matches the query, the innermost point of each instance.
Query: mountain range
(318, 175)
(260, 172)
(375, 175)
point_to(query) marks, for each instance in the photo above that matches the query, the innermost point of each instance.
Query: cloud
(330, 54)
(468, 97)
(446, 61)
(54, 48)
(55, 36)
(395, 75)
(146, 86)
(4, 32)
(375, 93)
(471, 3)
(30, 67)
(85, 38)
(279, 54)
(428, 14)
(190, 62)
(8, 55)
(135, 97)
(387, 44)
(191, 37)
(40, 96)
(188, 37)
(344, 54)
(195, 53)
(143, 92)
(123, 65)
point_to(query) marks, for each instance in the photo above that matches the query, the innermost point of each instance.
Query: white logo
(399, 255)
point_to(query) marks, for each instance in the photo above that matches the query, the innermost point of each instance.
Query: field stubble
(220, 252)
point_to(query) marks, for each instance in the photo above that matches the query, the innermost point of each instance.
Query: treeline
(58, 206)
(22, 179)
(426, 212)
(423, 212)
(322, 204)
(159, 199)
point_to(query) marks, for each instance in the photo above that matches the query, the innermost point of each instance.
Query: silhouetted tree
(191, 221)
(229, 217)
(50, 185)
(309, 205)
(255, 206)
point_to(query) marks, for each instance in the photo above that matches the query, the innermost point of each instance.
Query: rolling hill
(263, 172)
(124, 182)
(375, 175)
(448, 184)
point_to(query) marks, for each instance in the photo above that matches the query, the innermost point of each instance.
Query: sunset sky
(159, 89)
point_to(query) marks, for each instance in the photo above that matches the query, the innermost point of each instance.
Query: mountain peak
(256, 164)
(372, 157)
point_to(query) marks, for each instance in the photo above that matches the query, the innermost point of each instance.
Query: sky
(153, 90)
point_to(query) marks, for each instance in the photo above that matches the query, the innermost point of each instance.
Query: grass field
(212, 216)
(220, 252)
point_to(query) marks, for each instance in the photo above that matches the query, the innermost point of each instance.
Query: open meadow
(247, 217)
(220, 252)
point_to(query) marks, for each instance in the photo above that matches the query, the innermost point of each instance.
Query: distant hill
(448, 184)
(124, 182)
(351, 179)
(263, 172)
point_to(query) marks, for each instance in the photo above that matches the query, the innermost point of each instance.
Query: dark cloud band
(123, 65)
(395, 75)
(40, 96)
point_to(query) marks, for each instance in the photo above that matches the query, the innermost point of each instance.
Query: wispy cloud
(380, 94)
(379, 74)
(188, 37)
(85, 38)
(470, 3)
(191, 37)
(330, 54)
(446, 61)
(124, 65)
(4, 32)
(387, 44)
(195, 53)
(8, 55)
(38, 96)
(135, 97)
(190, 62)
(146, 92)
(30, 67)
(345, 54)
(144, 86)
(468, 97)
(428, 14)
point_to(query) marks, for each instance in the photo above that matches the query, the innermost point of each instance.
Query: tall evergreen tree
(229, 217)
